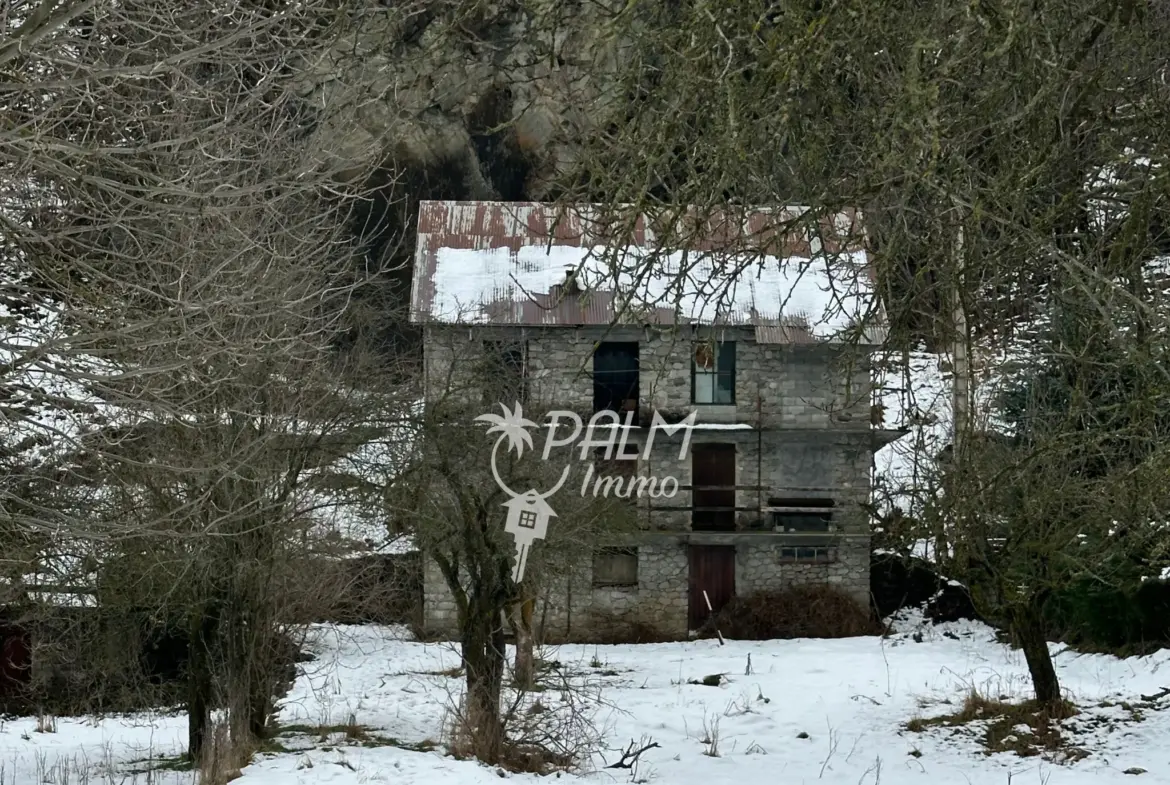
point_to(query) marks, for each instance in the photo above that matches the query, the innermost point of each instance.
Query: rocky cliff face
(462, 99)
(496, 94)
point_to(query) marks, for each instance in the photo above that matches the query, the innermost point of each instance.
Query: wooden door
(712, 570)
(712, 487)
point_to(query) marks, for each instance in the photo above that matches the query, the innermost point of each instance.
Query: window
(615, 567)
(801, 515)
(527, 519)
(808, 554)
(713, 372)
(615, 376)
(503, 373)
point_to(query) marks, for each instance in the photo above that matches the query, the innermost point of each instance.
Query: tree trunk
(484, 656)
(237, 674)
(199, 684)
(524, 670)
(1028, 630)
(261, 706)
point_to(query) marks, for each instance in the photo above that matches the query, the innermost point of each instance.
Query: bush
(897, 582)
(1153, 604)
(812, 611)
(1132, 618)
(611, 629)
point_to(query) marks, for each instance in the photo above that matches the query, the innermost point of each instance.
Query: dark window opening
(503, 373)
(804, 554)
(801, 515)
(713, 487)
(615, 567)
(615, 377)
(713, 372)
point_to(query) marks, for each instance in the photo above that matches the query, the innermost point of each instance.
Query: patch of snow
(842, 720)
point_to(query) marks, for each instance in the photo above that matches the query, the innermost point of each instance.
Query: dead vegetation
(347, 734)
(1027, 729)
(548, 728)
(613, 629)
(813, 611)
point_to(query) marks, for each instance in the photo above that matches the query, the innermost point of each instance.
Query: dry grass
(611, 629)
(1026, 729)
(546, 730)
(710, 736)
(813, 611)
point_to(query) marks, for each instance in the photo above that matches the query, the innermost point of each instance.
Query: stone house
(776, 458)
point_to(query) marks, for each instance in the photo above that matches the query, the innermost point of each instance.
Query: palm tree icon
(512, 427)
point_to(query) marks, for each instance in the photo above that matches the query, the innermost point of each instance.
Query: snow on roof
(497, 263)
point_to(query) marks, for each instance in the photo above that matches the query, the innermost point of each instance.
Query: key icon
(527, 522)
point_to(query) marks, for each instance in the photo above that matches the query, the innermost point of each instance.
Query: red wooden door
(712, 570)
(713, 487)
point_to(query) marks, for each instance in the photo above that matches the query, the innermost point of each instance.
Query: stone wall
(779, 386)
(765, 567)
(786, 463)
(577, 610)
(440, 616)
(806, 449)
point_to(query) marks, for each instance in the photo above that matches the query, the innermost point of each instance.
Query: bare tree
(976, 140)
(462, 473)
(193, 257)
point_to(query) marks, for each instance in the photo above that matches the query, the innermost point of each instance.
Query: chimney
(570, 286)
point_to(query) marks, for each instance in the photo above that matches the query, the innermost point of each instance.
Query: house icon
(527, 522)
(528, 516)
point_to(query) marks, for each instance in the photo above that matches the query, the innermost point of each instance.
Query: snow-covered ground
(825, 711)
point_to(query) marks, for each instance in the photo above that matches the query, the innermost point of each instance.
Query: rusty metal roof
(505, 263)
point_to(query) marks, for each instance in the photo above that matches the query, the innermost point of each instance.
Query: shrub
(620, 628)
(812, 611)
(897, 582)
(1130, 618)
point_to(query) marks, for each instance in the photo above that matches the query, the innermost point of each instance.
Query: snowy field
(810, 711)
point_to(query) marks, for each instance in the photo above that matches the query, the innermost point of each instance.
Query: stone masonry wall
(804, 386)
(762, 567)
(575, 609)
(808, 449)
(439, 613)
(658, 602)
(801, 465)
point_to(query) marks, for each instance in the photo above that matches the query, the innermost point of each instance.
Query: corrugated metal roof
(506, 263)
